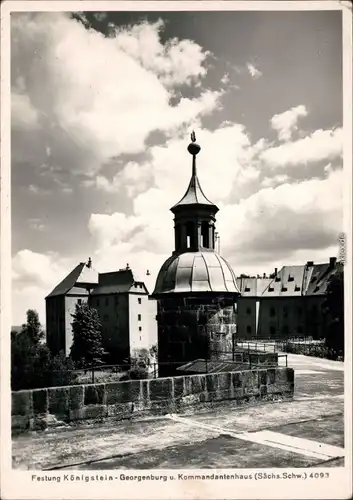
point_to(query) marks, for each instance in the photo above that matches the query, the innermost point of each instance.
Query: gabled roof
(118, 282)
(252, 287)
(288, 282)
(81, 275)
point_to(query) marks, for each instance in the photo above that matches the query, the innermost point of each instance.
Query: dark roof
(201, 366)
(194, 196)
(290, 281)
(80, 275)
(118, 282)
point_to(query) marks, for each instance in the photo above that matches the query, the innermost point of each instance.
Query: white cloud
(34, 276)
(89, 109)
(254, 72)
(286, 123)
(24, 114)
(318, 146)
(278, 222)
(175, 62)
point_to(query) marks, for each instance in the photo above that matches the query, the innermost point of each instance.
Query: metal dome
(196, 272)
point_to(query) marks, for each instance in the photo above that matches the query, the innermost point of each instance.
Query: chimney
(127, 267)
(333, 261)
(310, 263)
(264, 276)
(148, 273)
(276, 271)
(89, 263)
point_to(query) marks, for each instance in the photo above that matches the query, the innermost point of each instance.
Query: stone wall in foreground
(40, 408)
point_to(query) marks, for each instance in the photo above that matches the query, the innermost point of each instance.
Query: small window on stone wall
(139, 300)
(139, 317)
(248, 310)
(272, 311)
(272, 330)
(248, 329)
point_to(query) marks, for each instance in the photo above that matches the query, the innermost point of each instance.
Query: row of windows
(285, 329)
(272, 311)
(116, 300)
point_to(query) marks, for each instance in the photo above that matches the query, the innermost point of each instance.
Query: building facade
(127, 313)
(289, 304)
(195, 288)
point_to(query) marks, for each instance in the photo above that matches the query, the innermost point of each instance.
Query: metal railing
(119, 372)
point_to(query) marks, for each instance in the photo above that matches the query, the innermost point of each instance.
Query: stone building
(289, 304)
(196, 288)
(127, 313)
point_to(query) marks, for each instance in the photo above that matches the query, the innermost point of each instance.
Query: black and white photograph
(179, 274)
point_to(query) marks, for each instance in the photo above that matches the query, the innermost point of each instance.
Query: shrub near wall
(39, 408)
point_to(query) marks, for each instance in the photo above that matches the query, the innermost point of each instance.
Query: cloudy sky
(102, 108)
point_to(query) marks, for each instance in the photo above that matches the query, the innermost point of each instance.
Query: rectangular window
(248, 329)
(79, 302)
(140, 328)
(139, 300)
(248, 310)
(272, 311)
(116, 299)
(139, 317)
(285, 312)
(97, 302)
(107, 301)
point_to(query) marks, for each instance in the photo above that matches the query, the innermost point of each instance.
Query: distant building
(196, 288)
(287, 304)
(127, 313)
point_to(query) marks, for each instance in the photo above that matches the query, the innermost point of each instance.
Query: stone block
(40, 401)
(236, 379)
(262, 377)
(88, 412)
(76, 397)
(94, 394)
(58, 400)
(123, 392)
(120, 410)
(144, 396)
(197, 383)
(22, 403)
(249, 380)
(224, 380)
(179, 387)
(160, 389)
(20, 422)
(211, 382)
(271, 376)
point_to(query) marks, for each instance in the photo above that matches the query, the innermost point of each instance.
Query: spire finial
(193, 149)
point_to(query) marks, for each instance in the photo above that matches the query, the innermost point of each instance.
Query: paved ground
(305, 432)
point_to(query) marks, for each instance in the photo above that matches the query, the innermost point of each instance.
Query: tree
(27, 353)
(87, 347)
(33, 328)
(333, 308)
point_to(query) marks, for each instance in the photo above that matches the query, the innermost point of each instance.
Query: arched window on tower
(205, 235)
(190, 235)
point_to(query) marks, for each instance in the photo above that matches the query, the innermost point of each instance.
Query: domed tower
(196, 288)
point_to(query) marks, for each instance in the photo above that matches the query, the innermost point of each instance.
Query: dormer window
(297, 288)
(247, 289)
(284, 289)
(277, 279)
(290, 278)
(271, 289)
